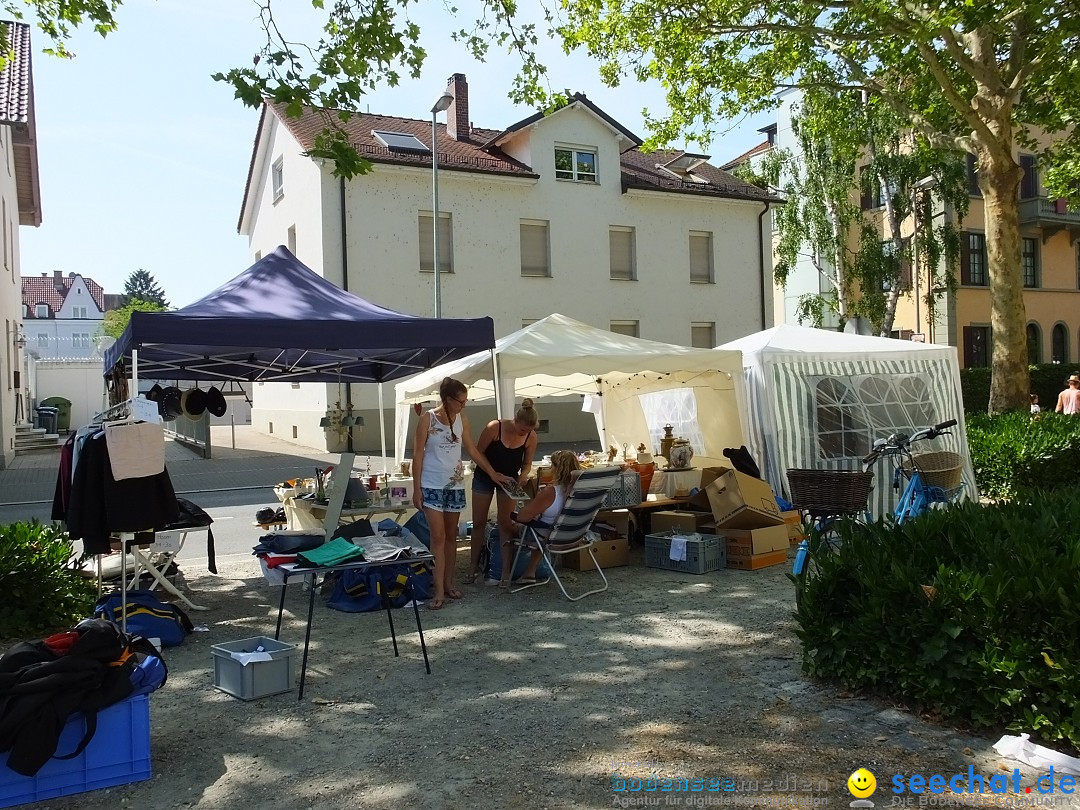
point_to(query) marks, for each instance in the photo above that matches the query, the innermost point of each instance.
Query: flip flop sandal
(436, 604)
(526, 581)
(468, 579)
(454, 593)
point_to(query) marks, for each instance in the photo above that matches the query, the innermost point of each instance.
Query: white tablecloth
(668, 482)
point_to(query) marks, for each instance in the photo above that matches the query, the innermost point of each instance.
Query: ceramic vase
(681, 454)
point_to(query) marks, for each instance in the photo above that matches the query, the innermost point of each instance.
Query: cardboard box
(708, 475)
(794, 524)
(756, 561)
(677, 520)
(621, 519)
(740, 501)
(609, 553)
(748, 542)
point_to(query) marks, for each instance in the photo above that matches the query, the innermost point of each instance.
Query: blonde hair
(526, 414)
(564, 464)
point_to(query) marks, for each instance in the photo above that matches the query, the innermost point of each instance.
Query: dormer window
(575, 164)
(41, 311)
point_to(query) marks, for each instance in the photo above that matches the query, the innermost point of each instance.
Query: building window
(973, 259)
(277, 174)
(535, 248)
(1029, 185)
(870, 190)
(446, 243)
(628, 328)
(575, 164)
(1059, 344)
(976, 346)
(25, 310)
(701, 260)
(703, 335)
(1029, 259)
(42, 340)
(80, 340)
(78, 313)
(1034, 344)
(291, 236)
(41, 311)
(621, 242)
(973, 177)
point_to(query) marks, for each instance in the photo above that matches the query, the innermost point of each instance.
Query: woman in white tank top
(546, 506)
(439, 480)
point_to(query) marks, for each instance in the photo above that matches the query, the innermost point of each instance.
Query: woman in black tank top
(509, 446)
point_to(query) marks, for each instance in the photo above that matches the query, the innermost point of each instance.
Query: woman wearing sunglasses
(439, 479)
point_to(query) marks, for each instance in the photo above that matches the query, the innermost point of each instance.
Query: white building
(61, 315)
(561, 213)
(20, 204)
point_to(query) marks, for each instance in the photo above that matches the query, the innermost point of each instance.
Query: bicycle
(843, 494)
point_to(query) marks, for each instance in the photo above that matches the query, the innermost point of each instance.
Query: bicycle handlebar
(897, 443)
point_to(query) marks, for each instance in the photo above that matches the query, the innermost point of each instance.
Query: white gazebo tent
(558, 356)
(818, 399)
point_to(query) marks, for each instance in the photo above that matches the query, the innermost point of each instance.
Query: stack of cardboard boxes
(743, 510)
(613, 550)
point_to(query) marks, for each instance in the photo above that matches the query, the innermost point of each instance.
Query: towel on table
(335, 552)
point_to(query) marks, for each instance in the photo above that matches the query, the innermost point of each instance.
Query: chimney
(457, 115)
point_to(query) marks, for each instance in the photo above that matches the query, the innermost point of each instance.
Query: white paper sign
(143, 410)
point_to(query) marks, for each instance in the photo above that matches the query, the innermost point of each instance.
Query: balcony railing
(1044, 211)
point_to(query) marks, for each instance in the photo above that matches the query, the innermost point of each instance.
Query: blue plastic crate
(118, 753)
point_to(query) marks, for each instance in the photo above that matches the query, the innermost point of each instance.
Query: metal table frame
(290, 570)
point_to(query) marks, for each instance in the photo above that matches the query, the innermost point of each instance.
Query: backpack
(147, 616)
(359, 590)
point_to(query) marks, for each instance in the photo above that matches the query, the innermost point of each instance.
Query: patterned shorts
(444, 500)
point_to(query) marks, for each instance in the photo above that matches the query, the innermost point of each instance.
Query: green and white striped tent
(818, 399)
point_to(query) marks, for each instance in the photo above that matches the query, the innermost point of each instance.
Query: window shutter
(427, 254)
(969, 347)
(446, 245)
(1029, 185)
(965, 265)
(535, 259)
(701, 257)
(622, 253)
(703, 335)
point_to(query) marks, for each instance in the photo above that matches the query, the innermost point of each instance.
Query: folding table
(168, 544)
(290, 570)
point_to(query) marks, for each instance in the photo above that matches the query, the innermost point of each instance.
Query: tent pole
(602, 420)
(497, 381)
(382, 429)
(134, 392)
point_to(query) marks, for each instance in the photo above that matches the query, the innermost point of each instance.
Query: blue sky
(143, 157)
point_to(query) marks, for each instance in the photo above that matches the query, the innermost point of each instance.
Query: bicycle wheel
(824, 540)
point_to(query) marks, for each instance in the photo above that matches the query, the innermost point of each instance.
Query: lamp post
(923, 186)
(441, 104)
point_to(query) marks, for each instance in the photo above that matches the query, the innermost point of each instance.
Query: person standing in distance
(509, 446)
(1069, 399)
(439, 479)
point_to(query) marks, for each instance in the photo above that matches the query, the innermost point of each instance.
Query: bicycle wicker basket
(834, 491)
(940, 468)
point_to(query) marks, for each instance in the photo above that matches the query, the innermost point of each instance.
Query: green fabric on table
(335, 552)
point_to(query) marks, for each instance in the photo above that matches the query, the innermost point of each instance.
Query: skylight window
(400, 141)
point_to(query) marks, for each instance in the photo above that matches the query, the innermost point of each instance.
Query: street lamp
(443, 103)
(923, 186)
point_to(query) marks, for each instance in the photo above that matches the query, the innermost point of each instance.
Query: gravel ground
(533, 701)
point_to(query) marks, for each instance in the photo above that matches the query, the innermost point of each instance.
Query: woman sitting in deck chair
(545, 507)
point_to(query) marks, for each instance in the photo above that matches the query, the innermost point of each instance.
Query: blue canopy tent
(279, 321)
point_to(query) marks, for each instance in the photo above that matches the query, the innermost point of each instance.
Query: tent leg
(382, 430)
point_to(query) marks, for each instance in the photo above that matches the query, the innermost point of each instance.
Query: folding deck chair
(568, 535)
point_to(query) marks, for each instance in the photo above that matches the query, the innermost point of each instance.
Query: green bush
(1047, 380)
(970, 612)
(1012, 453)
(42, 589)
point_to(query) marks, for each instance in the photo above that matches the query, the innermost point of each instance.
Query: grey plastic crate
(259, 678)
(704, 555)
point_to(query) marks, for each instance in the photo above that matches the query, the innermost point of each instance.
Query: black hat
(194, 402)
(215, 402)
(169, 403)
(154, 393)
(265, 515)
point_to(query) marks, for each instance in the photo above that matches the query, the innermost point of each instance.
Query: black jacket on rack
(99, 505)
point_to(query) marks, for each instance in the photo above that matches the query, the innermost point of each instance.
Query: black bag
(192, 515)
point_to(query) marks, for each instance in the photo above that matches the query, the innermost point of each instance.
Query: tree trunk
(999, 180)
(838, 260)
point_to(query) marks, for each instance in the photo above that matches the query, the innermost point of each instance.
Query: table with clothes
(358, 550)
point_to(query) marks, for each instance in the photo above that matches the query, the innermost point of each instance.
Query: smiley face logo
(861, 783)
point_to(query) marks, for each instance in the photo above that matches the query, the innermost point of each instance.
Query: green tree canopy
(116, 320)
(141, 286)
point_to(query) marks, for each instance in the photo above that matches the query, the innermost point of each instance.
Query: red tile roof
(474, 155)
(15, 78)
(761, 148)
(42, 290)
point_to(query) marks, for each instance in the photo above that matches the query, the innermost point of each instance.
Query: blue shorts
(482, 486)
(444, 500)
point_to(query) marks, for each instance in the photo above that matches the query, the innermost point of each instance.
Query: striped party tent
(818, 399)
